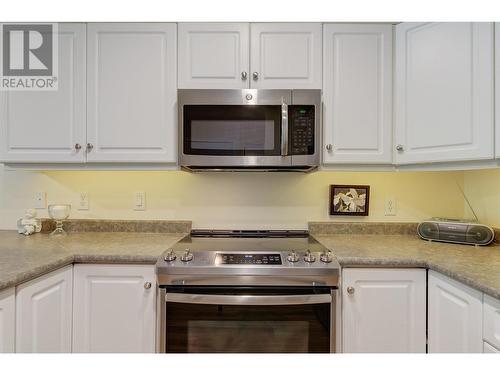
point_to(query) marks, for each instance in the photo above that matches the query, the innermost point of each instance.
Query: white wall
(230, 200)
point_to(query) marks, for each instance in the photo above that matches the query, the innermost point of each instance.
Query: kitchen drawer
(491, 321)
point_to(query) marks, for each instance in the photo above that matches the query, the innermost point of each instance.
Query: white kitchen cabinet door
(7, 321)
(114, 309)
(48, 126)
(132, 92)
(384, 312)
(357, 95)
(213, 55)
(487, 348)
(443, 92)
(491, 321)
(454, 316)
(44, 313)
(285, 55)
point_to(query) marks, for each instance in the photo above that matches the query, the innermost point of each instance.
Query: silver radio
(456, 231)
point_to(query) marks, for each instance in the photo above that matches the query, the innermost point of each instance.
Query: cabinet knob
(255, 76)
(147, 285)
(90, 146)
(78, 146)
(329, 147)
(350, 290)
(244, 76)
(400, 148)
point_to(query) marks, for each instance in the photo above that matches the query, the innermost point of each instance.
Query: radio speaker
(454, 231)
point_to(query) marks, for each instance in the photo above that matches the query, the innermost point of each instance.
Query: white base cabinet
(44, 313)
(454, 316)
(7, 321)
(114, 308)
(384, 310)
(491, 321)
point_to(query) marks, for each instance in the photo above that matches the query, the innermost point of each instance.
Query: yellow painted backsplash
(482, 188)
(231, 200)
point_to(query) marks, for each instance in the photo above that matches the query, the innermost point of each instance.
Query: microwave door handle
(284, 128)
(248, 300)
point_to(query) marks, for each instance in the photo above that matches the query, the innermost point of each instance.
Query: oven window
(239, 130)
(200, 328)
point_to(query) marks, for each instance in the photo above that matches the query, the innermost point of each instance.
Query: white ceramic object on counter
(29, 224)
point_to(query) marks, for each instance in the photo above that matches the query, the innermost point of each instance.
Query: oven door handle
(284, 128)
(242, 300)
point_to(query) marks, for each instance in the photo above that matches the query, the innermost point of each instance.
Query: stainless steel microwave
(249, 130)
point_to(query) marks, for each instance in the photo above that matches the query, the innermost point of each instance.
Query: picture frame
(349, 200)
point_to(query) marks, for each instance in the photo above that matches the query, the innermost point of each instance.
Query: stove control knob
(309, 257)
(170, 256)
(326, 257)
(293, 257)
(187, 256)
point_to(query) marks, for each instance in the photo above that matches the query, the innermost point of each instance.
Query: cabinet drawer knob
(90, 146)
(244, 76)
(350, 290)
(147, 285)
(78, 146)
(329, 147)
(400, 148)
(255, 76)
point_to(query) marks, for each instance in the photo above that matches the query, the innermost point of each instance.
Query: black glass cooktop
(246, 258)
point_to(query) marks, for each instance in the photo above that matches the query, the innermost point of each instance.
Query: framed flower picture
(350, 200)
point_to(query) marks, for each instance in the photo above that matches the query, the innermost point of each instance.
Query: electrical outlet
(40, 199)
(83, 201)
(390, 206)
(140, 201)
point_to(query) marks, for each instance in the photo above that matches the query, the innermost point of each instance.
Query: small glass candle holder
(59, 212)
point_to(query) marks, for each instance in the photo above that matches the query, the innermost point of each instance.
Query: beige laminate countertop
(478, 267)
(24, 258)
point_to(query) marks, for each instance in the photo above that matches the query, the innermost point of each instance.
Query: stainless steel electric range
(247, 292)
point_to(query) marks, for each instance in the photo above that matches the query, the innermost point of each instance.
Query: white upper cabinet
(454, 316)
(213, 55)
(444, 92)
(44, 312)
(357, 94)
(47, 126)
(7, 321)
(114, 308)
(131, 92)
(286, 55)
(384, 310)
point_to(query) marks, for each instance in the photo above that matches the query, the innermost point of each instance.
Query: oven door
(241, 128)
(249, 320)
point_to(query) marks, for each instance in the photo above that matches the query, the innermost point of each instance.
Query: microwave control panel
(301, 129)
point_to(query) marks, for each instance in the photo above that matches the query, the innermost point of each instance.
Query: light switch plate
(40, 199)
(83, 201)
(140, 201)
